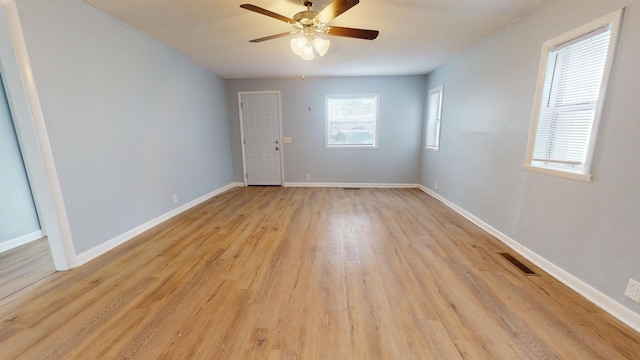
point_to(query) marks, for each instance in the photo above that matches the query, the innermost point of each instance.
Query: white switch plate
(174, 198)
(308, 177)
(633, 290)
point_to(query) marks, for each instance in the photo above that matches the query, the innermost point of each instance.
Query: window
(352, 121)
(434, 115)
(574, 72)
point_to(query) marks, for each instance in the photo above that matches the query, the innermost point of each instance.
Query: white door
(261, 138)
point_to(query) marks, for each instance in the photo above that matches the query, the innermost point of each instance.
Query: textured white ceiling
(416, 36)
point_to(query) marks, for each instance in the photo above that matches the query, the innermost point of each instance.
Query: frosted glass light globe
(321, 45)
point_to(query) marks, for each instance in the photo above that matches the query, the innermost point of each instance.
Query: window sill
(559, 173)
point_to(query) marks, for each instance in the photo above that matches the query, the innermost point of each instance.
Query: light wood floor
(24, 265)
(290, 273)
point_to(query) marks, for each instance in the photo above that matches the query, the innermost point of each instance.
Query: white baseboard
(19, 241)
(606, 303)
(352, 185)
(121, 239)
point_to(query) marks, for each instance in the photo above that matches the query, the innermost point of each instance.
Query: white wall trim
(606, 303)
(19, 241)
(121, 239)
(352, 185)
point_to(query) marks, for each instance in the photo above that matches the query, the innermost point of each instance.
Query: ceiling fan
(311, 24)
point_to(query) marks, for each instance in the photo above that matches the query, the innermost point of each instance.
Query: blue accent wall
(588, 229)
(397, 157)
(131, 122)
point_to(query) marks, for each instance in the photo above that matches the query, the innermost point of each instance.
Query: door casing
(31, 131)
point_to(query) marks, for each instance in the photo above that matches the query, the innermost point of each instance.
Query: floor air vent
(525, 270)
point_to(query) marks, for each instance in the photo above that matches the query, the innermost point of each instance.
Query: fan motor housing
(305, 17)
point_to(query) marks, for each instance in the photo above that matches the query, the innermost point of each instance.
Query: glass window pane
(434, 114)
(352, 120)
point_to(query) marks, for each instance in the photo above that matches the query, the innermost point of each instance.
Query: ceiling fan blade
(353, 33)
(272, 37)
(334, 9)
(262, 11)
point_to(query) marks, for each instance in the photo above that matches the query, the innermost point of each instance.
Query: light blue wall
(395, 161)
(130, 121)
(17, 212)
(588, 229)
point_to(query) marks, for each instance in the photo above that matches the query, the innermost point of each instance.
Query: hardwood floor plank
(212, 301)
(302, 273)
(24, 265)
(440, 341)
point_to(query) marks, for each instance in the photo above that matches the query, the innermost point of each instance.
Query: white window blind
(569, 100)
(434, 117)
(572, 86)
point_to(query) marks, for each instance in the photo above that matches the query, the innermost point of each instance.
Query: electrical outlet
(436, 185)
(174, 198)
(633, 291)
(308, 177)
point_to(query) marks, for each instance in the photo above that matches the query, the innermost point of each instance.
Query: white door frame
(244, 158)
(31, 131)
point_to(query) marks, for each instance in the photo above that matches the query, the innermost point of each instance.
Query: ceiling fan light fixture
(304, 45)
(311, 24)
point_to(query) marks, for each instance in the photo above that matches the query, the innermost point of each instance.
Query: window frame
(613, 20)
(436, 147)
(327, 121)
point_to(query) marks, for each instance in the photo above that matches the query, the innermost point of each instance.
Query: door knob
(277, 148)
